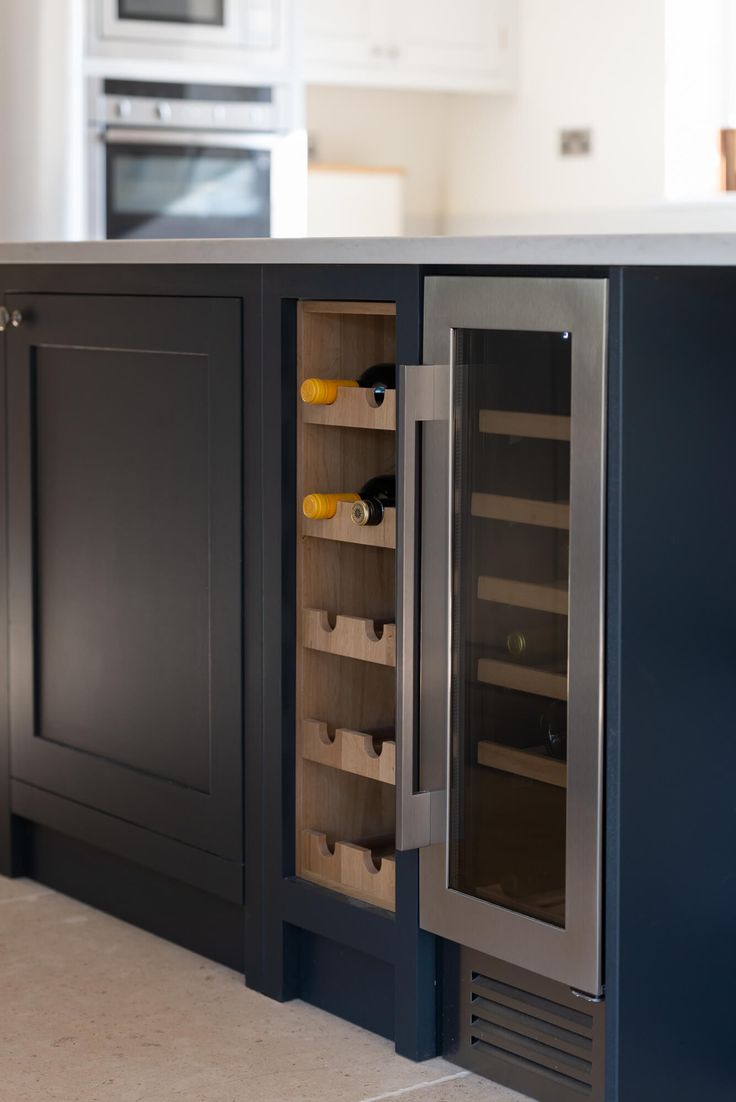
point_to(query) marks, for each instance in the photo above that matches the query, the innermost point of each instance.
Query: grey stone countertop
(657, 249)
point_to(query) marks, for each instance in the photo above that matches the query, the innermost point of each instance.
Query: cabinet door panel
(124, 477)
(341, 34)
(469, 36)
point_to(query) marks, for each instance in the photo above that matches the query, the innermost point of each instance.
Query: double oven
(193, 160)
(193, 121)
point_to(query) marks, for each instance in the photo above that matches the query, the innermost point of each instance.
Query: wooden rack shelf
(354, 408)
(525, 679)
(507, 591)
(544, 514)
(341, 527)
(547, 906)
(350, 751)
(354, 870)
(340, 306)
(349, 636)
(541, 426)
(533, 763)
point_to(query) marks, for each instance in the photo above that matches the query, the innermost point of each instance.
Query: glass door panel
(205, 12)
(509, 660)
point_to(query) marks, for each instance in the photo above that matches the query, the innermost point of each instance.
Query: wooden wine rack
(530, 762)
(346, 612)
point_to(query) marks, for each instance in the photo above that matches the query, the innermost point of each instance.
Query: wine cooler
(500, 625)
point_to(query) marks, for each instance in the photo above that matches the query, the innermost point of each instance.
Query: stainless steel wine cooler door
(501, 594)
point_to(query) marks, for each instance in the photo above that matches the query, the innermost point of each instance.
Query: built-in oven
(193, 160)
(500, 771)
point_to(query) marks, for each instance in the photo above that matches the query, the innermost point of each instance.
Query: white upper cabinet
(441, 45)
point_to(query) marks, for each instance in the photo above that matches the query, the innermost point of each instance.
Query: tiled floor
(92, 1009)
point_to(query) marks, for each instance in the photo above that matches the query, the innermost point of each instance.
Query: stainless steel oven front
(171, 160)
(501, 598)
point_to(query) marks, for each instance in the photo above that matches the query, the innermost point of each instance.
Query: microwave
(181, 28)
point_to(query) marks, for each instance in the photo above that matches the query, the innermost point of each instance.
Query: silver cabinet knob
(123, 108)
(15, 318)
(4, 319)
(163, 111)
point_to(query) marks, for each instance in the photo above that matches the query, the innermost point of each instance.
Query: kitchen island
(209, 718)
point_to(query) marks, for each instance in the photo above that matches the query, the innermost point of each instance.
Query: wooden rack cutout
(341, 527)
(506, 591)
(345, 659)
(349, 636)
(350, 751)
(540, 426)
(525, 679)
(352, 869)
(354, 408)
(521, 510)
(533, 763)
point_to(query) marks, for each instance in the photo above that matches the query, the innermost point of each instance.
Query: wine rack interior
(512, 538)
(346, 612)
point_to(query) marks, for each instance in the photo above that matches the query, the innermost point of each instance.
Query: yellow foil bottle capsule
(323, 392)
(324, 506)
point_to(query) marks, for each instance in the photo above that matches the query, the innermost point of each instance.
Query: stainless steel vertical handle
(424, 403)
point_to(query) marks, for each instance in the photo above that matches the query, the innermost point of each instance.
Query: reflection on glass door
(511, 551)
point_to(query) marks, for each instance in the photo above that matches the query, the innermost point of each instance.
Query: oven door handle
(423, 604)
(206, 139)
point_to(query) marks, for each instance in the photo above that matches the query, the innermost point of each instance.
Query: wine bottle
(324, 506)
(541, 644)
(323, 392)
(553, 729)
(375, 497)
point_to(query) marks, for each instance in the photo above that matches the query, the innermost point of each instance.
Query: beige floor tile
(95, 1010)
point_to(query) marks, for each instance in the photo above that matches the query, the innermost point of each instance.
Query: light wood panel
(507, 591)
(520, 510)
(337, 306)
(349, 636)
(360, 871)
(354, 408)
(541, 426)
(350, 751)
(344, 793)
(342, 528)
(534, 763)
(525, 679)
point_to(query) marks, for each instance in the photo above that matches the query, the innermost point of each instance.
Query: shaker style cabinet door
(124, 480)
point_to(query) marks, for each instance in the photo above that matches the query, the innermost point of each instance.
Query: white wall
(699, 62)
(583, 63)
(386, 128)
(42, 120)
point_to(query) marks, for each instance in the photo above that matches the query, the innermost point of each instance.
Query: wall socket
(575, 143)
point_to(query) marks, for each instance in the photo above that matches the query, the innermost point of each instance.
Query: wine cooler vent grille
(528, 1033)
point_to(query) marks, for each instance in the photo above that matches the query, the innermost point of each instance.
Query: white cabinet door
(462, 45)
(339, 35)
(440, 45)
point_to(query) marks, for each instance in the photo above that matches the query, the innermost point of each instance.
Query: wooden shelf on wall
(525, 679)
(349, 636)
(507, 591)
(350, 751)
(341, 527)
(362, 872)
(521, 510)
(533, 763)
(540, 426)
(354, 408)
